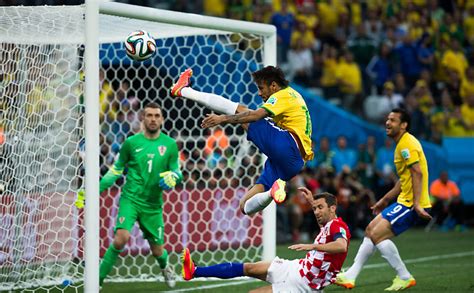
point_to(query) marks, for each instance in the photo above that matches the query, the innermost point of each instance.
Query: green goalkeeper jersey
(144, 159)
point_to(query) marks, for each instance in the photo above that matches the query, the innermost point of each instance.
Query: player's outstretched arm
(337, 246)
(109, 178)
(117, 169)
(240, 118)
(307, 194)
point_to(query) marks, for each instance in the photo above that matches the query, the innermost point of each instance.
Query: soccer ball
(140, 45)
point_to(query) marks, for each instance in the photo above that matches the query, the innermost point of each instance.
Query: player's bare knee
(376, 237)
(368, 231)
(121, 238)
(157, 250)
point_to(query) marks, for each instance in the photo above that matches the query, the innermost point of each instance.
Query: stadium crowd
(366, 56)
(370, 56)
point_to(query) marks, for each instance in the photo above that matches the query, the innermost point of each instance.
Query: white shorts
(284, 275)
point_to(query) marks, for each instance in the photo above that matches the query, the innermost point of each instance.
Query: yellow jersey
(467, 88)
(351, 75)
(407, 153)
(289, 112)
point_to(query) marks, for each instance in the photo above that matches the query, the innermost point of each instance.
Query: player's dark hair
(152, 105)
(404, 116)
(328, 197)
(270, 74)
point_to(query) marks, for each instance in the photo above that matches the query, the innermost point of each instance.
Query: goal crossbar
(186, 19)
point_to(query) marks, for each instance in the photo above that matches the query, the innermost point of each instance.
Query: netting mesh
(39, 162)
(41, 146)
(204, 213)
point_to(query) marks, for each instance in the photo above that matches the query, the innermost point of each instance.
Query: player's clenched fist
(80, 199)
(168, 180)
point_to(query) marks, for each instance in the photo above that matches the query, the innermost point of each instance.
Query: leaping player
(280, 128)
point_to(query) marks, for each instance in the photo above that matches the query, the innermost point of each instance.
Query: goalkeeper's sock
(108, 262)
(223, 271)
(163, 259)
(212, 101)
(389, 251)
(257, 202)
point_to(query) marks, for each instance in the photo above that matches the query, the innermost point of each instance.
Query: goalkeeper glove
(168, 180)
(80, 199)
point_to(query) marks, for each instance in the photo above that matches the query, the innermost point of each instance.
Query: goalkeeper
(152, 161)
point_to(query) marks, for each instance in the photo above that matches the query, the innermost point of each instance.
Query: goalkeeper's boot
(278, 191)
(343, 281)
(169, 275)
(188, 265)
(399, 284)
(183, 81)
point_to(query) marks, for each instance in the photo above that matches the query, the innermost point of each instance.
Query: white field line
(250, 280)
(371, 266)
(423, 259)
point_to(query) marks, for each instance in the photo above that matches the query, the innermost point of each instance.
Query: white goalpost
(70, 96)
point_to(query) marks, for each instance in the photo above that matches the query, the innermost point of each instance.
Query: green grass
(449, 274)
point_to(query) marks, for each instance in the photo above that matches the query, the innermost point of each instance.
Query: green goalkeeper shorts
(150, 220)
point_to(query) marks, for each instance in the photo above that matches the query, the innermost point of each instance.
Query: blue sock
(223, 271)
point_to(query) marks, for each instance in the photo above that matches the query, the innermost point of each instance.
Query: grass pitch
(440, 262)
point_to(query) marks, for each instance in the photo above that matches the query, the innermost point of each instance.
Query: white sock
(212, 101)
(257, 202)
(366, 249)
(390, 252)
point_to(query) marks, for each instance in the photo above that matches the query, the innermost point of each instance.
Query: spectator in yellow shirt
(439, 116)
(349, 79)
(303, 34)
(468, 24)
(307, 14)
(454, 59)
(215, 7)
(467, 84)
(327, 13)
(106, 94)
(467, 112)
(424, 97)
(456, 126)
(329, 78)
(356, 12)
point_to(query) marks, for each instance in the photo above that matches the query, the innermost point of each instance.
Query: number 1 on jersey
(150, 165)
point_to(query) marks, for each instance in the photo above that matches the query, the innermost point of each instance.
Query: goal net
(42, 143)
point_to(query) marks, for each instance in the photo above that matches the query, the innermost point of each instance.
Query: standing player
(286, 140)
(413, 199)
(152, 161)
(314, 272)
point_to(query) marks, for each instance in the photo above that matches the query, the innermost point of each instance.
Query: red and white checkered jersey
(319, 268)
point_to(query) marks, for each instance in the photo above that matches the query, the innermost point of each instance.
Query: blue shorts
(400, 217)
(284, 158)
